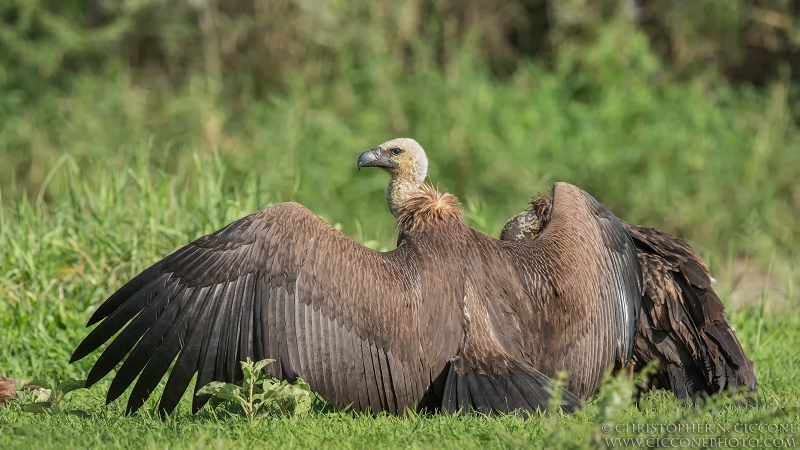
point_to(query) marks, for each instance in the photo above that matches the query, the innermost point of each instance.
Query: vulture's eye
(395, 151)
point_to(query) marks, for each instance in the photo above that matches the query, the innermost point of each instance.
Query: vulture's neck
(399, 190)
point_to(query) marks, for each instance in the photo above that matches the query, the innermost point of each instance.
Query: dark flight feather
(684, 325)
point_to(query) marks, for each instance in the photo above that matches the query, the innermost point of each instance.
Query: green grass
(60, 259)
(109, 174)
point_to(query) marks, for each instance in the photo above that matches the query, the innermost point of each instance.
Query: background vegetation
(681, 115)
(129, 128)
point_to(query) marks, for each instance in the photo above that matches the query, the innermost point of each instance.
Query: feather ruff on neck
(425, 207)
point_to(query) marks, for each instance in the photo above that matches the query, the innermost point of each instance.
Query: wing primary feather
(262, 321)
(301, 331)
(201, 267)
(124, 293)
(116, 319)
(166, 351)
(130, 335)
(214, 358)
(376, 366)
(678, 381)
(514, 398)
(344, 346)
(187, 363)
(313, 341)
(248, 327)
(184, 258)
(531, 391)
(228, 353)
(148, 345)
(278, 339)
(213, 339)
(235, 348)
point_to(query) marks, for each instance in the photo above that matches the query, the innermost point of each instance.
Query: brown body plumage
(450, 319)
(682, 324)
(8, 388)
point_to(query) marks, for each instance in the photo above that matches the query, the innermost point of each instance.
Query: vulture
(682, 322)
(450, 320)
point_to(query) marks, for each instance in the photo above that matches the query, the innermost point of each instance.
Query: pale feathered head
(403, 158)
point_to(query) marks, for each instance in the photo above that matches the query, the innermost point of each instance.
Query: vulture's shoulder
(575, 225)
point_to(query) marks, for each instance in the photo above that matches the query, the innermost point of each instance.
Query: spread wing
(683, 323)
(582, 294)
(281, 284)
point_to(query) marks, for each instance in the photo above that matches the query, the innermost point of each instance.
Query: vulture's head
(405, 161)
(528, 224)
(403, 158)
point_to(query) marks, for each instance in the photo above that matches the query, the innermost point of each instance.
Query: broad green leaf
(301, 383)
(302, 405)
(38, 407)
(261, 364)
(40, 383)
(270, 394)
(211, 388)
(42, 395)
(70, 385)
(247, 368)
(229, 397)
(231, 388)
(268, 384)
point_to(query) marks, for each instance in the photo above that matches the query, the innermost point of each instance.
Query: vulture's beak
(376, 158)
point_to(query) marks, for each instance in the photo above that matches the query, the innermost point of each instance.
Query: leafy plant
(47, 400)
(259, 394)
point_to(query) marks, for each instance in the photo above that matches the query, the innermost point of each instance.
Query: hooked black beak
(376, 158)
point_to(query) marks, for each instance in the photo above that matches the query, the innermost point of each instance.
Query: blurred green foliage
(631, 100)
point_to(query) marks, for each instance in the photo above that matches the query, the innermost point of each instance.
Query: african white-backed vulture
(451, 319)
(682, 323)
